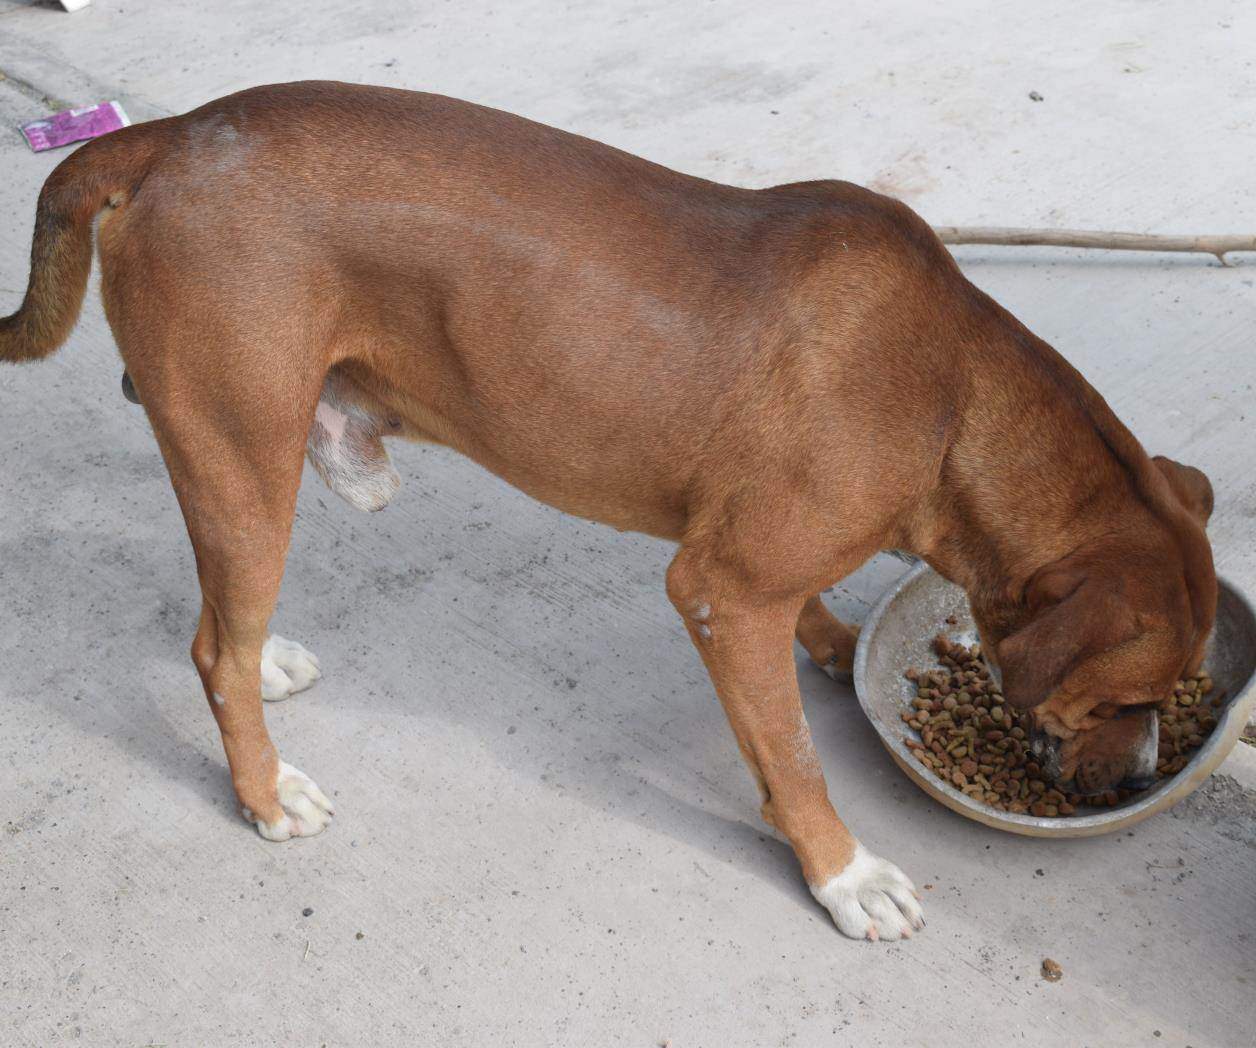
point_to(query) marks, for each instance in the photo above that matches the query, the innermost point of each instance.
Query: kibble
(1051, 970)
(968, 737)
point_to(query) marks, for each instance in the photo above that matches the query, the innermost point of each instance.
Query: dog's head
(1104, 632)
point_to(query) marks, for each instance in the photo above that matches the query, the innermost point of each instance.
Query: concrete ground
(545, 835)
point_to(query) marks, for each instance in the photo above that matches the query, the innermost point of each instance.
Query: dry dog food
(967, 737)
(1051, 970)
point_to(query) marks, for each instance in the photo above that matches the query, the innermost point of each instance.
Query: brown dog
(784, 381)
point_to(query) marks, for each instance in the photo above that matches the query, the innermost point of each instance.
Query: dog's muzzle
(1140, 772)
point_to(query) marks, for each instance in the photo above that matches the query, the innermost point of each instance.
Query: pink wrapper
(74, 125)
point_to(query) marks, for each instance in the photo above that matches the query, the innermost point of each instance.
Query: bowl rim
(1196, 771)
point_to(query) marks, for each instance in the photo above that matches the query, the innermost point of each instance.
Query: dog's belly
(613, 483)
(609, 421)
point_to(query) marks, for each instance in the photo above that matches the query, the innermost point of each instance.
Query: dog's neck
(1032, 424)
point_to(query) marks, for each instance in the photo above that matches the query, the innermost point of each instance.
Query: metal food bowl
(899, 634)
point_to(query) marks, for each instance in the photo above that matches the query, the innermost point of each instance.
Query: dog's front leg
(746, 641)
(828, 640)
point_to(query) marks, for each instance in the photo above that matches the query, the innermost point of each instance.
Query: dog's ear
(1074, 617)
(1190, 485)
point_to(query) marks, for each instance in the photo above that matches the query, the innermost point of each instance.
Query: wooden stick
(1012, 236)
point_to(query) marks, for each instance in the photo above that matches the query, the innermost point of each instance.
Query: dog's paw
(830, 642)
(286, 668)
(871, 899)
(839, 673)
(306, 809)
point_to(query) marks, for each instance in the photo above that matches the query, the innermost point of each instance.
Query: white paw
(286, 668)
(871, 899)
(306, 809)
(836, 673)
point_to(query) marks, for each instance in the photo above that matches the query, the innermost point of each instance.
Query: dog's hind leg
(239, 502)
(232, 419)
(287, 667)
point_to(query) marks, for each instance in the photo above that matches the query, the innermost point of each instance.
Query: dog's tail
(105, 172)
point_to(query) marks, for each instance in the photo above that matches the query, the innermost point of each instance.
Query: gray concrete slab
(545, 834)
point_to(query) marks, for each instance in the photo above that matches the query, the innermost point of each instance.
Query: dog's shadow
(114, 675)
(637, 730)
(678, 771)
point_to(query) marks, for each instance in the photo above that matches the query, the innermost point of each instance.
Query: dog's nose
(1134, 767)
